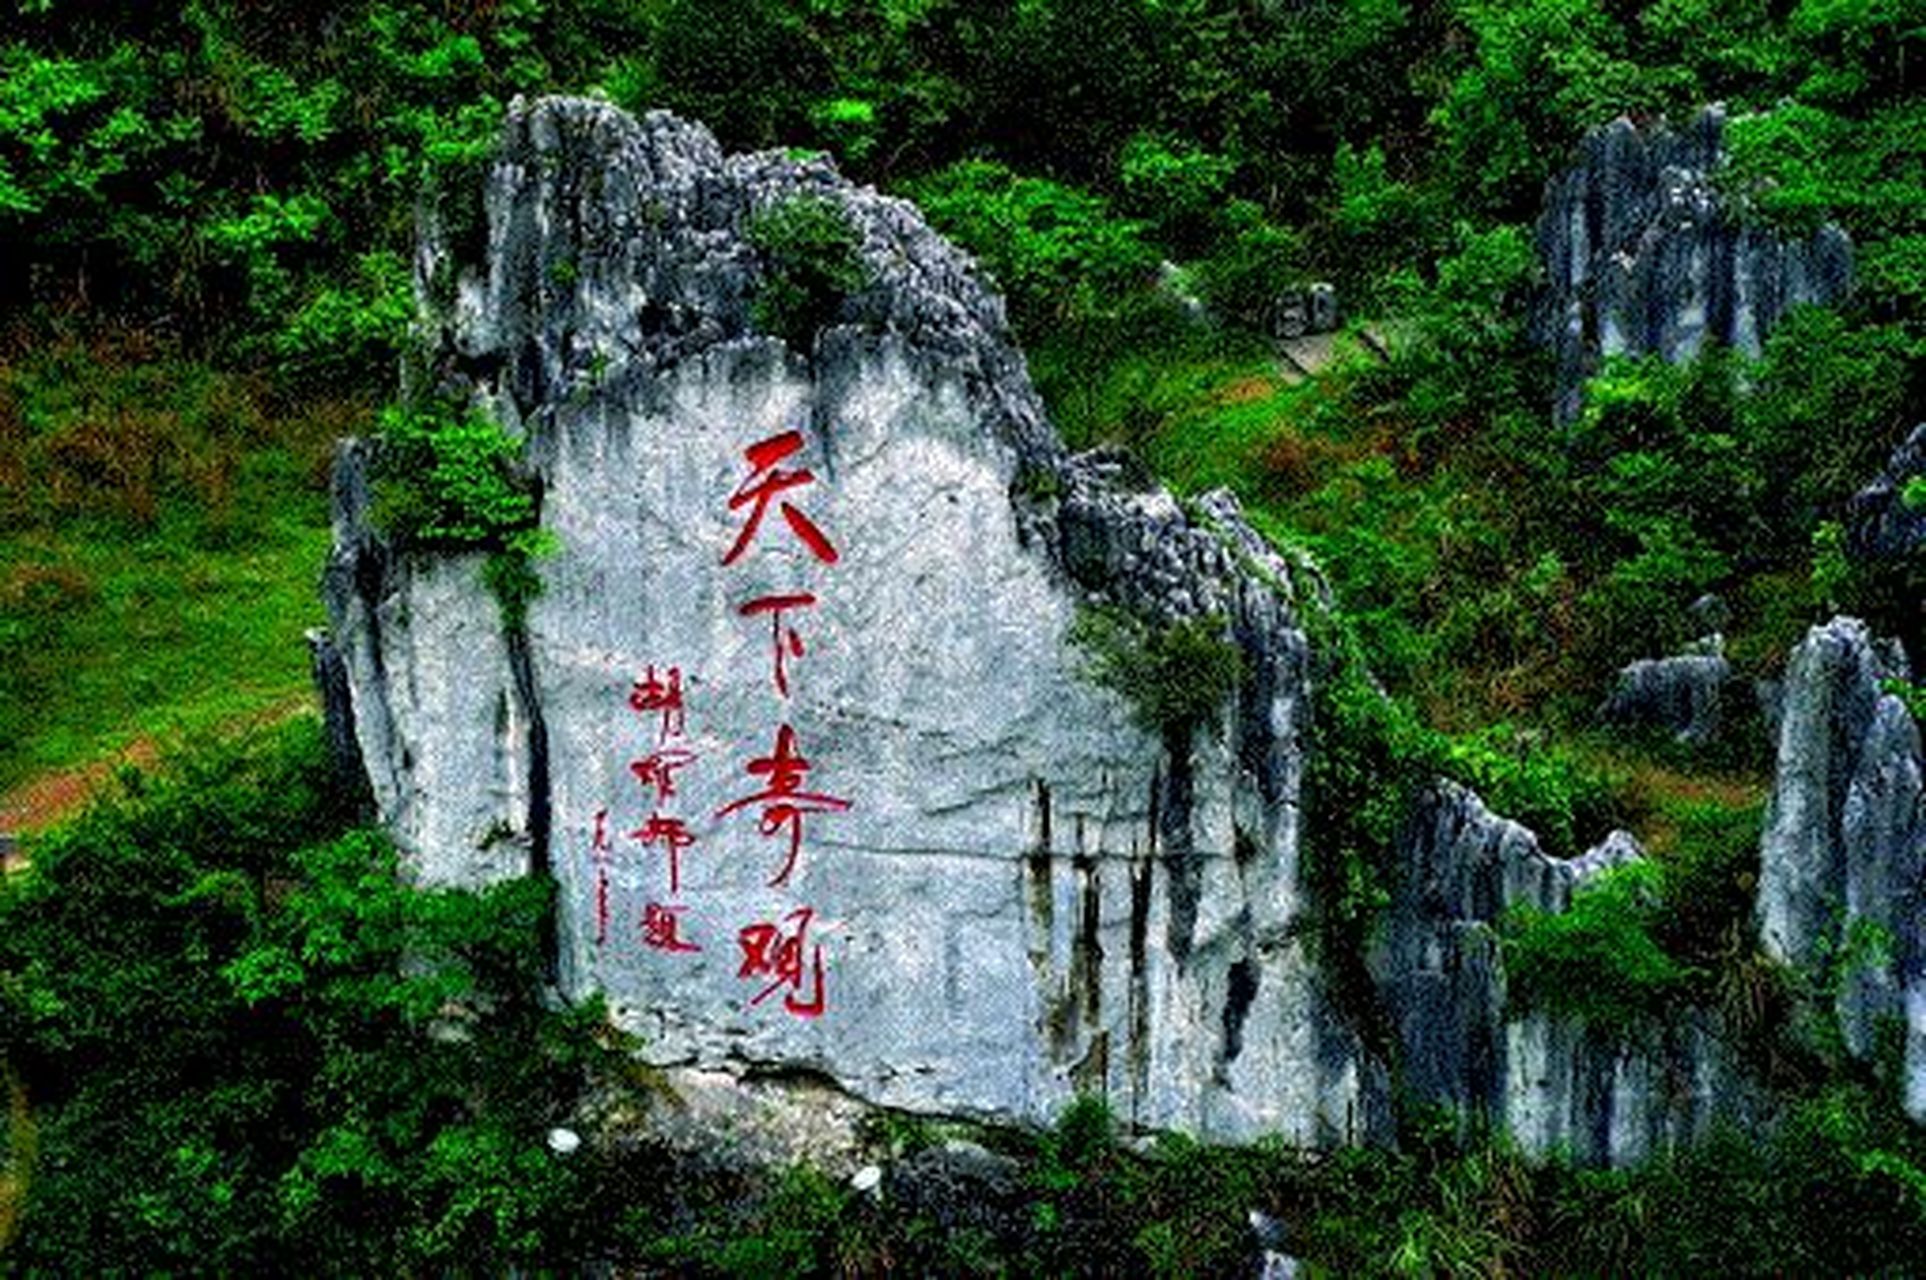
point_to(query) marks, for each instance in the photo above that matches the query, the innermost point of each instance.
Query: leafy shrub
(1176, 676)
(1381, 223)
(1056, 252)
(1367, 755)
(811, 262)
(1566, 803)
(253, 1048)
(1913, 695)
(449, 478)
(360, 326)
(1178, 187)
(1253, 262)
(1600, 960)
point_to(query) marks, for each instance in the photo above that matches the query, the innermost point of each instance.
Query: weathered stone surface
(1645, 259)
(1028, 894)
(735, 1121)
(960, 1186)
(1551, 1082)
(1312, 309)
(1845, 839)
(330, 672)
(1879, 522)
(1684, 695)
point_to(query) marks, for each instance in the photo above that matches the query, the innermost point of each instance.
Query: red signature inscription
(662, 928)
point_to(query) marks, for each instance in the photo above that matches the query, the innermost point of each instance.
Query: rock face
(1645, 259)
(799, 727)
(1550, 1081)
(796, 723)
(1312, 309)
(1684, 695)
(1845, 842)
(1880, 522)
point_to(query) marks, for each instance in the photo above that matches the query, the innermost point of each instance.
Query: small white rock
(867, 1179)
(564, 1141)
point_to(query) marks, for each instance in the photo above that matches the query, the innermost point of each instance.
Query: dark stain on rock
(1086, 957)
(1091, 1074)
(1180, 854)
(1137, 1049)
(521, 666)
(1241, 993)
(1042, 901)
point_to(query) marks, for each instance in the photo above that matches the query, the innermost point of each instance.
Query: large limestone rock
(888, 832)
(1644, 257)
(1845, 841)
(1684, 695)
(1550, 1081)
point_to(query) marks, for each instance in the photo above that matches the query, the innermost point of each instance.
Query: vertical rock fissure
(1240, 993)
(1179, 845)
(521, 668)
(1086, 959)
(1142, 865)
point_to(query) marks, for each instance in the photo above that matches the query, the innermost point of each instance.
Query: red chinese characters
(784, 639)
(784, 960)
(767, 480)
(672, 833)
(783, 800)
(601, 851)
(770, 952)
(657, 770)
(662, 928)
(661, 696)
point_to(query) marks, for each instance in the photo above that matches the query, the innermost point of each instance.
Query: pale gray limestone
(1028, 894)
(1845, 842)
(1644, 257)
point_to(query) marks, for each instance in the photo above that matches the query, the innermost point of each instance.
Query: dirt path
(1303, 358)
(54, 797)
(40, 802)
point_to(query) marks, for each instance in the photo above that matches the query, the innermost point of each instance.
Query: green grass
(162, 534)
(151, 637)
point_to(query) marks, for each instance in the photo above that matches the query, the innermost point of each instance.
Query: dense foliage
(810, 265)
(250, 1047)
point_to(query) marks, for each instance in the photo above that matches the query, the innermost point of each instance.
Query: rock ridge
(1645, 256)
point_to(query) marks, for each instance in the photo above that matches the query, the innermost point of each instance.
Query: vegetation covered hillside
(209, 214)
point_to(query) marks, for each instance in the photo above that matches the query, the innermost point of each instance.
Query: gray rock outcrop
(1645, 258)
(1684, 695)
(1549, 1080)
(796, 724)
(1298, 312)
(1845, 842)
(1880, 524)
